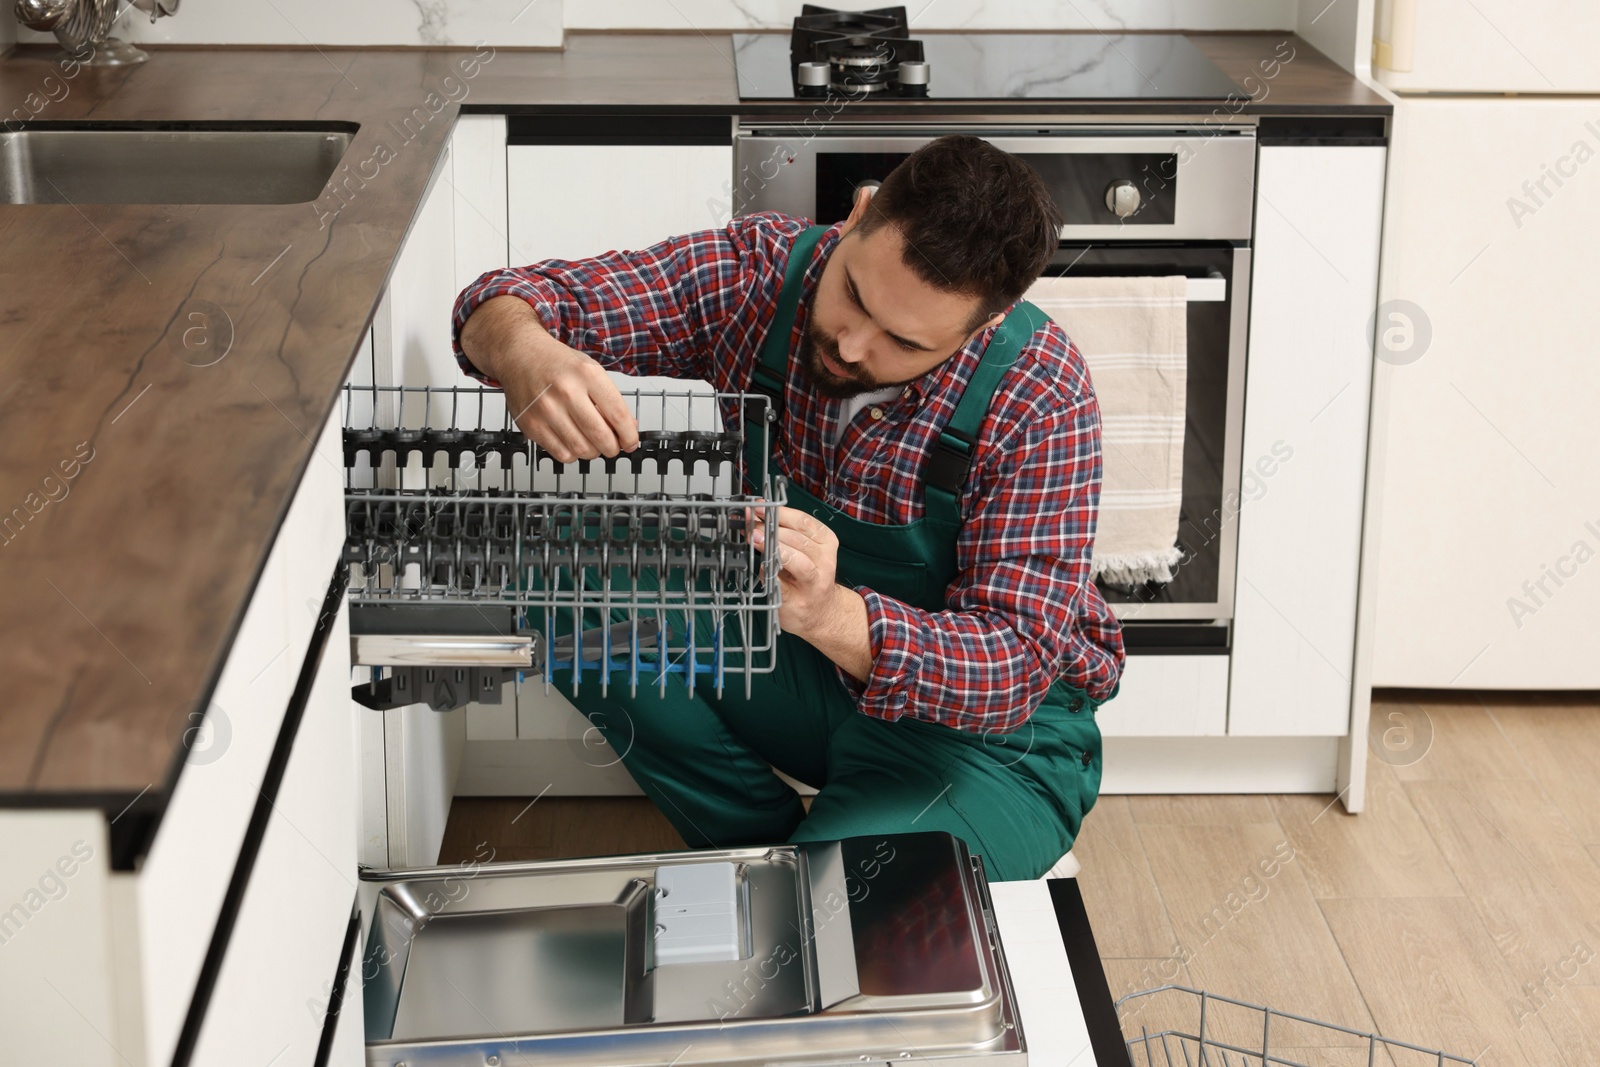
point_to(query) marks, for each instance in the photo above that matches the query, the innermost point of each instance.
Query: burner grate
(863, 50)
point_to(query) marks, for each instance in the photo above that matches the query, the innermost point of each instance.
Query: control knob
(1122, 198)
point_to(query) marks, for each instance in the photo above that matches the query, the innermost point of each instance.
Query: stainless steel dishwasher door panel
(882, 946)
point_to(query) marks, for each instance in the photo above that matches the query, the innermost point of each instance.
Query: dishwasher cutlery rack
(475, 556)
(1198, 1029)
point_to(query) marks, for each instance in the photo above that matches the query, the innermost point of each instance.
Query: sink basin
(170, 163)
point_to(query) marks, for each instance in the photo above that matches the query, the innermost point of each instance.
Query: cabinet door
(458, 233)
(1307, 386)
(409, 756)
(272, 991)
(581, 187)
(184, 880)
(573, 200)
(478, 182)
(1488, 575)
(1462, 46)
(411, 331)
(570, 201)
(1169, 696)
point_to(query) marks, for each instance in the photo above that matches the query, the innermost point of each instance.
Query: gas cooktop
(872, 56)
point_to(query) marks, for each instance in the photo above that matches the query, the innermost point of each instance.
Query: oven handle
(1212, 289)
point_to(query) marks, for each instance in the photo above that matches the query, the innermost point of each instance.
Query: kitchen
(177, 492)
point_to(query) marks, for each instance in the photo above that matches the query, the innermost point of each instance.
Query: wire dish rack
(639, 564)
(1175, 1026)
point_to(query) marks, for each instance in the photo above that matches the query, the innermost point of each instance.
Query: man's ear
(858, 208)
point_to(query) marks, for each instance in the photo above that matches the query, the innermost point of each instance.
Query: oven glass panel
(1202, 514)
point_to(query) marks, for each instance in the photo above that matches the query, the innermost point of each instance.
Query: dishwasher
(474, 558)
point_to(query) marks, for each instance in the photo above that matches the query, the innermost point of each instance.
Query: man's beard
(813, 343)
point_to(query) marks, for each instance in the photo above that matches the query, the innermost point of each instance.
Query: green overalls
(1018, 799)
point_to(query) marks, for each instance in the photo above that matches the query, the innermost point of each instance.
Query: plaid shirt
(1022, 611)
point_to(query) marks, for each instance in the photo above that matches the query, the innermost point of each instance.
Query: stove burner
(863, 52)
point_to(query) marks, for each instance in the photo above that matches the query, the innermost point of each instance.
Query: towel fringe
(1136, 568)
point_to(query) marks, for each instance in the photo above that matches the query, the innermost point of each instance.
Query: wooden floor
(1461, 911)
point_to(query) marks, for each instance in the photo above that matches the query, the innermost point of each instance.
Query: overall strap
(952, 453)
(772, 368)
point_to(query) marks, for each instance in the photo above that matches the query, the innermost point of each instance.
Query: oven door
(1201, 589)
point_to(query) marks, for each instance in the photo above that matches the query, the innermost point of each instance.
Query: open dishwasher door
(819, 953)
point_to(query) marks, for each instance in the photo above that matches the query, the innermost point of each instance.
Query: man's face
(873, 323)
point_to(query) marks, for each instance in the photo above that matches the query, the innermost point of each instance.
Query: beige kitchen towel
(1133, 335)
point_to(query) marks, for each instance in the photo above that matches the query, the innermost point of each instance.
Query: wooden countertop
(121, 599)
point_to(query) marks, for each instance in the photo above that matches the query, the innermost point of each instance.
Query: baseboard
(553, 767)
(1220, 765)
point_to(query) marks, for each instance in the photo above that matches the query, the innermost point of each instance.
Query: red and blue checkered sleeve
(658, 310)
(1022, 611)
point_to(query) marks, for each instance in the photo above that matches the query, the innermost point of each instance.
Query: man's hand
(562, 399)
(815, 607)
(565, 401)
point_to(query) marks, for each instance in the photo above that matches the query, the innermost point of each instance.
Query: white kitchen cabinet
(478, 183)
(411, 330)
(272, 991)
(185, 953)
(1487, 569)
(576, 188)
(1169, 696)
(458, 233)
(111, 971)
(1307, 387)
(183, 881)
(491, 206)
(62, 979)
(409, 756)
(575, 195)
(1468, 46)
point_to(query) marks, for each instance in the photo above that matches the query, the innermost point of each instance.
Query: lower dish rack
(475, 556)
(1175, 1026)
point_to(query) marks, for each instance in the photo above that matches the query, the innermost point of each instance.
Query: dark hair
(976, 220)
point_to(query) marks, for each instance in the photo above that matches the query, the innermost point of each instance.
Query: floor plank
(1120, 893)
(526, 828)
(1534, 885)
(1466, 745)
(1221, 810)
(1246, 921)
(507, 825)
(1560, 742)
(1386, 851)
(1571, 1014)
(1429, 970)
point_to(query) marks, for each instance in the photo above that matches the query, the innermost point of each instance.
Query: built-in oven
(1144, 199)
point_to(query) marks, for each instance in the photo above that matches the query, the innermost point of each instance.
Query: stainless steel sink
(170, 163)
